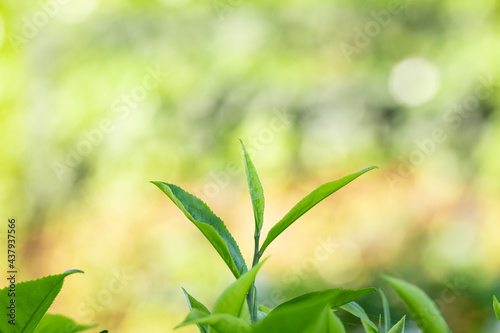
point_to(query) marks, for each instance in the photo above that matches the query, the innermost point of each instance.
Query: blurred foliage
(312, 88)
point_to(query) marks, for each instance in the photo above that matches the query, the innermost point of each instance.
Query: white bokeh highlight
(414, 81)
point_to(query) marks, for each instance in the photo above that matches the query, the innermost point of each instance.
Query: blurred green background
(100, 97)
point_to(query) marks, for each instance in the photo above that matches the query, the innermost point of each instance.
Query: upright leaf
(422, 308)
(232, 300)
(256, 191)
(33, 299)
(209, 224)
(307, 203)
(60, 324)
(496, 307)
(303, 313)
(387, 310)
(222, 323)
(194, 304)
(356, 310)
(399, 327)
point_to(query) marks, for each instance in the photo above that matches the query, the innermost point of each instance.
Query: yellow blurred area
(98, 98)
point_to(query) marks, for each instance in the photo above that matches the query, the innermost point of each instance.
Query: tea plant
(237, 310)
(27, 303)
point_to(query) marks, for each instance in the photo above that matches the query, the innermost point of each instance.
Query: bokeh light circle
(414, 81)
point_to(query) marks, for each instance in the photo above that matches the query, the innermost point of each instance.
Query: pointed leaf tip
(496, 307)
(399, 327)
(422, 308)
(212, 227)
(37, 297)
(308, 202)
(72, 271)
(232, 299)
(256, 190)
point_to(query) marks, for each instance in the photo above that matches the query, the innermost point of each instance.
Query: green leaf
(303, 313)
(264, 309)
(322, 322)
(307, 203)
(334, 323)
(221, 322)
(232, 300)
(399, 327)
(496, 307)
(356, 310)
(256, 191)
(209, 224)
(262, 312)
(422, 308)
(260, 315)
(32, 300)
(56, 324)
(194, 304)
(387, 310)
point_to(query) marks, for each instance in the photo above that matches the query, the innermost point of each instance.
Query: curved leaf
(194, 304)
(387, 310)
(303, 313)
(232, 300)
(307, 203)
(209, 224)
(56, 324)
(334, 323)
(33, 299)
(221, 322)
(356, 310)
(256, 191)
(399, 327)
(496, 307)
(422, 308)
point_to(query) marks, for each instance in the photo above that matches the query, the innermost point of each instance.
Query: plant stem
(251, 297)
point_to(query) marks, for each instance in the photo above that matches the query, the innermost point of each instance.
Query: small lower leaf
(33, 299)
(233, 300)
(303, 313)
(356, 310)
(194, 304)
(399, 327)
(422, 308)
(223, 323)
